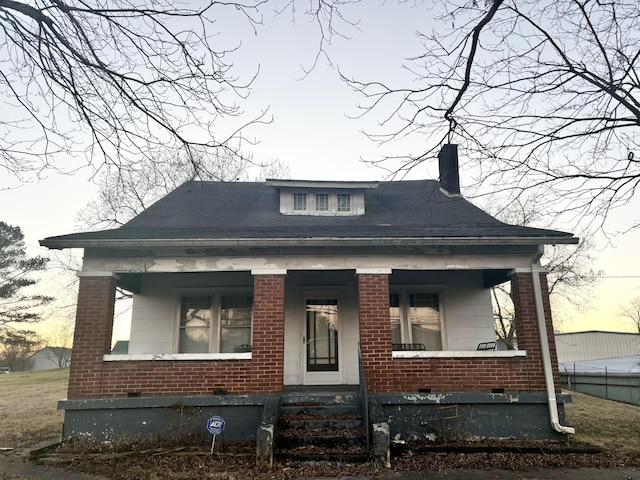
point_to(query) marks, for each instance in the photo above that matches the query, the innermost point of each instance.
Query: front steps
(321, 427)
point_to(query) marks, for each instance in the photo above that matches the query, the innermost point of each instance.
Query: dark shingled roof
(243, 210)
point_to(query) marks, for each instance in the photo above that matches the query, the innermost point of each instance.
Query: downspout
(546, 354)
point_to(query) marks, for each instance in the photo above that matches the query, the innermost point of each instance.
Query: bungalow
(243, 292)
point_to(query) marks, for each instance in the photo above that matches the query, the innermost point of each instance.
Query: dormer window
(322, 202)
(321, 198)
(299, 202)
(344, 202)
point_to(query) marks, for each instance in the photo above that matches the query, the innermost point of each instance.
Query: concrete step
(321, 427)
(343, 441)
(322, 423)
(321, 411)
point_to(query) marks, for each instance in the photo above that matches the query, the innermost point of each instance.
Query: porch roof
(247, 213)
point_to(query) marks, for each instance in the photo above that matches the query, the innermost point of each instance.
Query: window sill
(176, 357)
(459, 354)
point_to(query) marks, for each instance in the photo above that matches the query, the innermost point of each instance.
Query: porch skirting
(410, 416)
(113, 418)
(467, 416)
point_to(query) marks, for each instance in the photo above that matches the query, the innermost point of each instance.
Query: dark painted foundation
(108, 419)
(468, 416)
(410, 416)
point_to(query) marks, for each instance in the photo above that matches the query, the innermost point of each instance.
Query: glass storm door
(322, 335)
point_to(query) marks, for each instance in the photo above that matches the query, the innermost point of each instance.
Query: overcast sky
(312, 133)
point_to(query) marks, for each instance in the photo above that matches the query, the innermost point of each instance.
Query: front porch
(304, 328)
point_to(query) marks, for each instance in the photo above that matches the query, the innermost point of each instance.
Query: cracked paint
(432, 397)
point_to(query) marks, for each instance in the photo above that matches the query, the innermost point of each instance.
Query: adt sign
(215, 425)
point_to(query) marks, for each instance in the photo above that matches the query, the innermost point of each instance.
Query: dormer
(321, 198)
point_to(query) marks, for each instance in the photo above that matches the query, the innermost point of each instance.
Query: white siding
(468, 317)
(465, 310)
(153, 317)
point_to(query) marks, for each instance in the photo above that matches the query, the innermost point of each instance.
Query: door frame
(315, 377)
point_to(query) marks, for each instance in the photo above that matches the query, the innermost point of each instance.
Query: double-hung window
(415, 319)
(217, 323)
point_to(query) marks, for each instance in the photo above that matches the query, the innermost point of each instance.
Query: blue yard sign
(215, 426)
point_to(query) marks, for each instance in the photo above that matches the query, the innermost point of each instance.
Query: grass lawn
(604, 423)
(28, 402)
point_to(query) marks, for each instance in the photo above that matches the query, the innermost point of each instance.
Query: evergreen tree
(16, 273)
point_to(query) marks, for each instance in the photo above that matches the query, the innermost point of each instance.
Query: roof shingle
(244, 210)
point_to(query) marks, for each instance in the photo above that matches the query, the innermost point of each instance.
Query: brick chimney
(449, 175)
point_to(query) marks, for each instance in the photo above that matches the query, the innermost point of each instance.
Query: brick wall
(375, 332)
(485, 374)
(90, 377)
(443, 375)
(267, 359)
(527, 326)
(92, 339)
(184, 377)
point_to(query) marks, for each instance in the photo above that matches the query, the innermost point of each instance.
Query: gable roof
(217, 214)
(52, 350)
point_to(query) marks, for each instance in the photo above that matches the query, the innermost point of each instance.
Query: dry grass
(28, 402)
(604, 423)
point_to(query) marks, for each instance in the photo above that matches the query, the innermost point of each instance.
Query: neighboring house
(48, 358)
(599, 352)
(243, 291)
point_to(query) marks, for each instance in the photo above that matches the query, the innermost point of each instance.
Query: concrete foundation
(409, 416)
(108, 419)
(468, 416)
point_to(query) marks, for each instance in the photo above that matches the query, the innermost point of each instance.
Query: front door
(321, 341)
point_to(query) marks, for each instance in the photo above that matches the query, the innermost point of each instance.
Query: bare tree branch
(540, 96)
(108, 81)
(631, 311)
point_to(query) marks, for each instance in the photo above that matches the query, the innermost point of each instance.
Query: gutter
(546, 354)
(61, 242)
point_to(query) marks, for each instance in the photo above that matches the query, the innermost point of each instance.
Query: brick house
(242, 291)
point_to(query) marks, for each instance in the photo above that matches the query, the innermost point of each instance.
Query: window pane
(194, 340)
(344, 202)
(299, 201)
(234, 337)
(322, 335)
(394, 313)
(236, 310)
(424, 317)
(235, 318)
(322, 202)
(195, 325)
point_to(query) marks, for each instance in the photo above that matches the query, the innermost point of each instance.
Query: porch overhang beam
(491, 278)
(61, 243)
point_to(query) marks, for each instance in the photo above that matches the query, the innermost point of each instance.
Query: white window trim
(216, 326)
(405, 327)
